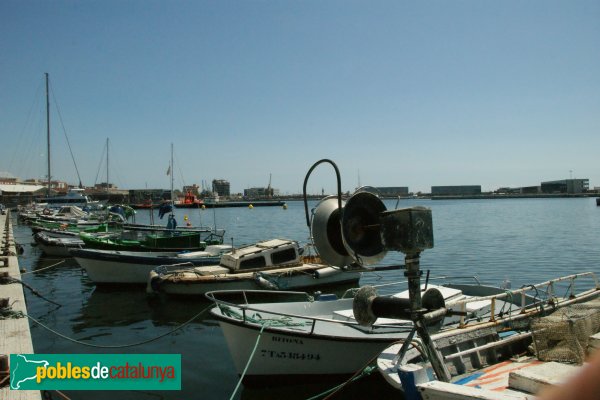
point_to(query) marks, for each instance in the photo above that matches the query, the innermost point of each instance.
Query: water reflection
(124, 306)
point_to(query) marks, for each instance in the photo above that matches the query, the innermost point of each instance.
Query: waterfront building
(6, 178)
(221, 187)
(530, 190)
(59, 187)
(455, 190)
(261, 192)
(193, 189)
(571, 186)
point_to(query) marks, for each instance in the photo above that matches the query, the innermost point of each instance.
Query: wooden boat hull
(120, 267)
(292, 278)
(57, 247)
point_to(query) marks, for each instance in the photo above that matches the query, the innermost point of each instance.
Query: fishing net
(564, 335)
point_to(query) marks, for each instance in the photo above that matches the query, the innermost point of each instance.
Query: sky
(396, 93)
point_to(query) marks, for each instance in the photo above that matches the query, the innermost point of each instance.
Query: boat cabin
(267, 254)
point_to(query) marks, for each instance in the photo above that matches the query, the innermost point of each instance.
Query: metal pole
(413, 275)
(107, 168)
(48, 132)
(172, 200)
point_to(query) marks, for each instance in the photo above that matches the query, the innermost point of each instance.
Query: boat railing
(352, 291)
(527, 301)
(254, 315)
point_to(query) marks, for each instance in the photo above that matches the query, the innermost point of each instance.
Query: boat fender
(326, 272)
(412, 375)
(264, 282)
(153, 283)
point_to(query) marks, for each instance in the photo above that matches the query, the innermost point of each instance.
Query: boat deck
(331, 318)
(15, 337)
(512, 379)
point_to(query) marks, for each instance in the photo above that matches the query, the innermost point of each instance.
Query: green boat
(134, 241)
(58, 229)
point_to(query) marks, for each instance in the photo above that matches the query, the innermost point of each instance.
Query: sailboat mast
(172, 199)
(172, 179)
(107, 166)
(48, 132)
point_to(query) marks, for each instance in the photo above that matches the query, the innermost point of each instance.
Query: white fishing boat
(57, 246)
(317, 337)
(327, 330)
(133, 267)
(505, 355)
(273, 264)
(74, 197)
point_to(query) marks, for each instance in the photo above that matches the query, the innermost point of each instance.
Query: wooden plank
(15, 336)
(436, 390)
(533, 379)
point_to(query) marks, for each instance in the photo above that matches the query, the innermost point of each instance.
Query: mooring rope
(120, 346)
(248, 363)
(366, 371)
(42, 269)
(282, 322)
(8, 280)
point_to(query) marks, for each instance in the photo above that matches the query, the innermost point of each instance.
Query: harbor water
(523, 241)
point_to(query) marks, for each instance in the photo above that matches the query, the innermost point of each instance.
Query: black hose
(339, 186)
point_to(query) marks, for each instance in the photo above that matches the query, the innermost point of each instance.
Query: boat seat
(534, 378)
(444, 390)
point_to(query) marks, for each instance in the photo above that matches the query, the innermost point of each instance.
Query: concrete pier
(15, 336)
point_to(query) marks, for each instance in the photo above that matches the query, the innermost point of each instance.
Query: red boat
(189, 201)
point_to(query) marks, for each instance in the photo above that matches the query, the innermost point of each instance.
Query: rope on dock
(6, 376)
(120, 346)
(8, 313)
(6, 280)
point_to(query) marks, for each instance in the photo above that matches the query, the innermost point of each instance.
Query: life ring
(46, 211)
